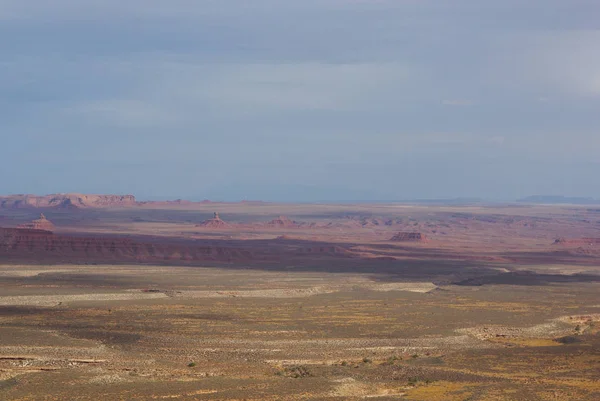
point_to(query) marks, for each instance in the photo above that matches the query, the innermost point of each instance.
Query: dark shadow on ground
(529, 278)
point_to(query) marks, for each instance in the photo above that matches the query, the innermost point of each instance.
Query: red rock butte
(409, 237)
(215, 222)
(39, 224)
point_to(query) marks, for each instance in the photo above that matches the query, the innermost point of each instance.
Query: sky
(312, 100)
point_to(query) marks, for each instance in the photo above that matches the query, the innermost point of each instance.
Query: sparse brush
(391, 360)
(296, 372)
(191, 364)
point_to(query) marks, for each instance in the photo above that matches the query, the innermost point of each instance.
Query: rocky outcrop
(409, 237)
(215, 222)
(39, 224)
(282, 222)
(67, 201)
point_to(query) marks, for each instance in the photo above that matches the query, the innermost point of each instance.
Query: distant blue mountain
(554, 199)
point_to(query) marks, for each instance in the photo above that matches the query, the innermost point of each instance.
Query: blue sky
(305, 100)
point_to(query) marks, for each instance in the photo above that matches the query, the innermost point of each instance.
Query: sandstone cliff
(41, 246)
(44, 246)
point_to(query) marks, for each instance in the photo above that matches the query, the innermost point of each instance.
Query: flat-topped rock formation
(46, 247)
(409, 237)
(215, 222)
(39, 246)
(66, 201)
(39, 224)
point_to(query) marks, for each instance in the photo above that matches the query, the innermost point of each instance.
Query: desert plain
(109, 298)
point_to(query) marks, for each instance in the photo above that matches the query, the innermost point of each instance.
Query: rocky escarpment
(66, 201)
(44, 246)
(409, 237)
(41, 246)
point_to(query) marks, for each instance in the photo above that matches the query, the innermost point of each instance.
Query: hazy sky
(300, 100)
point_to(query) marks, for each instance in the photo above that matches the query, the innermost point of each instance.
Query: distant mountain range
(554, 199)
(78, 201)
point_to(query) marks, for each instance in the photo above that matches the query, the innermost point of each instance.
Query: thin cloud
(457, 102)
(317, 90)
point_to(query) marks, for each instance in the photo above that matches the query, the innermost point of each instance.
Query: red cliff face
(409, 237)
(66, 201)
(40, 246)
(23, 239)
(44, 246)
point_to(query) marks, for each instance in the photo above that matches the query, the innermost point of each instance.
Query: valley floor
(160, 332)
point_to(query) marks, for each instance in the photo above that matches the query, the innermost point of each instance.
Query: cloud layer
(311, 100)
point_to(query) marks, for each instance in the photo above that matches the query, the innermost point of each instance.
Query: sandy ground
(112, 330)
